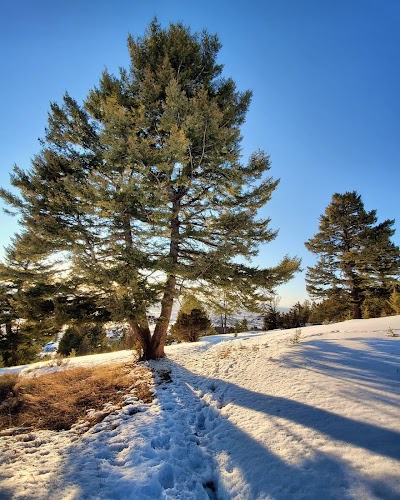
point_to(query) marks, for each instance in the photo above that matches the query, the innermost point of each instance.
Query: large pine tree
(143, 188)
(357, 259)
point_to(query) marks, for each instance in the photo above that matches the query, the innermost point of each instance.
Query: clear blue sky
(325, 76)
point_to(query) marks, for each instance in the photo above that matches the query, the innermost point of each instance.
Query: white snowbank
(252, 417)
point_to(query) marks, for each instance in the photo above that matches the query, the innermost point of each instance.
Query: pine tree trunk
(9, 355)
(356, 301)
(9, 331)
(130, 338)
(357, 314)
(143, 335)
(156, 348)
(355, 291)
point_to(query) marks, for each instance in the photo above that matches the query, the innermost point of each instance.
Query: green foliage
(271, 320)
(271, 314)
(19, 342)
(302, 314)
(34, 306)
(25, 308)
(16, 347)
(375, 307)
(145, 180)
(357, 259)
(69, 342)
(189, 303)
(83, 339)
(330, 310)
(298, 315)
(189, 327)
(394, 301)
(241, 326)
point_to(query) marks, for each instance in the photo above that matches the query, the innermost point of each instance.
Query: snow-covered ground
(252, 417)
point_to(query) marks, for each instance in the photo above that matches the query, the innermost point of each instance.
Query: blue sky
(325, 76)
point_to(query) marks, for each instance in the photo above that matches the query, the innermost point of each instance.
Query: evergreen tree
(27, 312)
(329, 310)
(190, 326)
(297, 316)
(83, 338)
(271, 314)
(241, 326)
(223, 303)
(357, 259)
(36, 300)
(190, 302)
(394, 301)
(142, 187)
(12, 343)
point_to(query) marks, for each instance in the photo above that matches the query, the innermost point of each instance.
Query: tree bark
(156, 348)
(160, 331)
(356, 311)
(139, 328)
(355, 293)
(143, 335)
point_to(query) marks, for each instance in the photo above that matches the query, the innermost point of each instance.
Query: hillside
(263, 415)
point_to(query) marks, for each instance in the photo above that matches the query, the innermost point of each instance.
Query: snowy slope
(253, 417)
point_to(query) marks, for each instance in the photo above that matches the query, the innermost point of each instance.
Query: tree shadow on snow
(342, 362)
(318, 474)
(5, 493)
(190, 450)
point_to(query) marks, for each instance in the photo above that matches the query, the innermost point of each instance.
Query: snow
(42, 367)
(252, 417)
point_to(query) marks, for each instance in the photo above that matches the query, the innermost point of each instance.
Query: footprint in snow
(166, 476)
(160, 442)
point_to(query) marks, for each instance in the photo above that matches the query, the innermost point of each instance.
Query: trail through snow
(253, 417)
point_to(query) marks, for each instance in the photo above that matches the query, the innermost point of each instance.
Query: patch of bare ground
(57, 401)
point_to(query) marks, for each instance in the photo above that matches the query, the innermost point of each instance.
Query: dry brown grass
(224, 353)
(7, 382)
(227, 351)
(58, 400)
